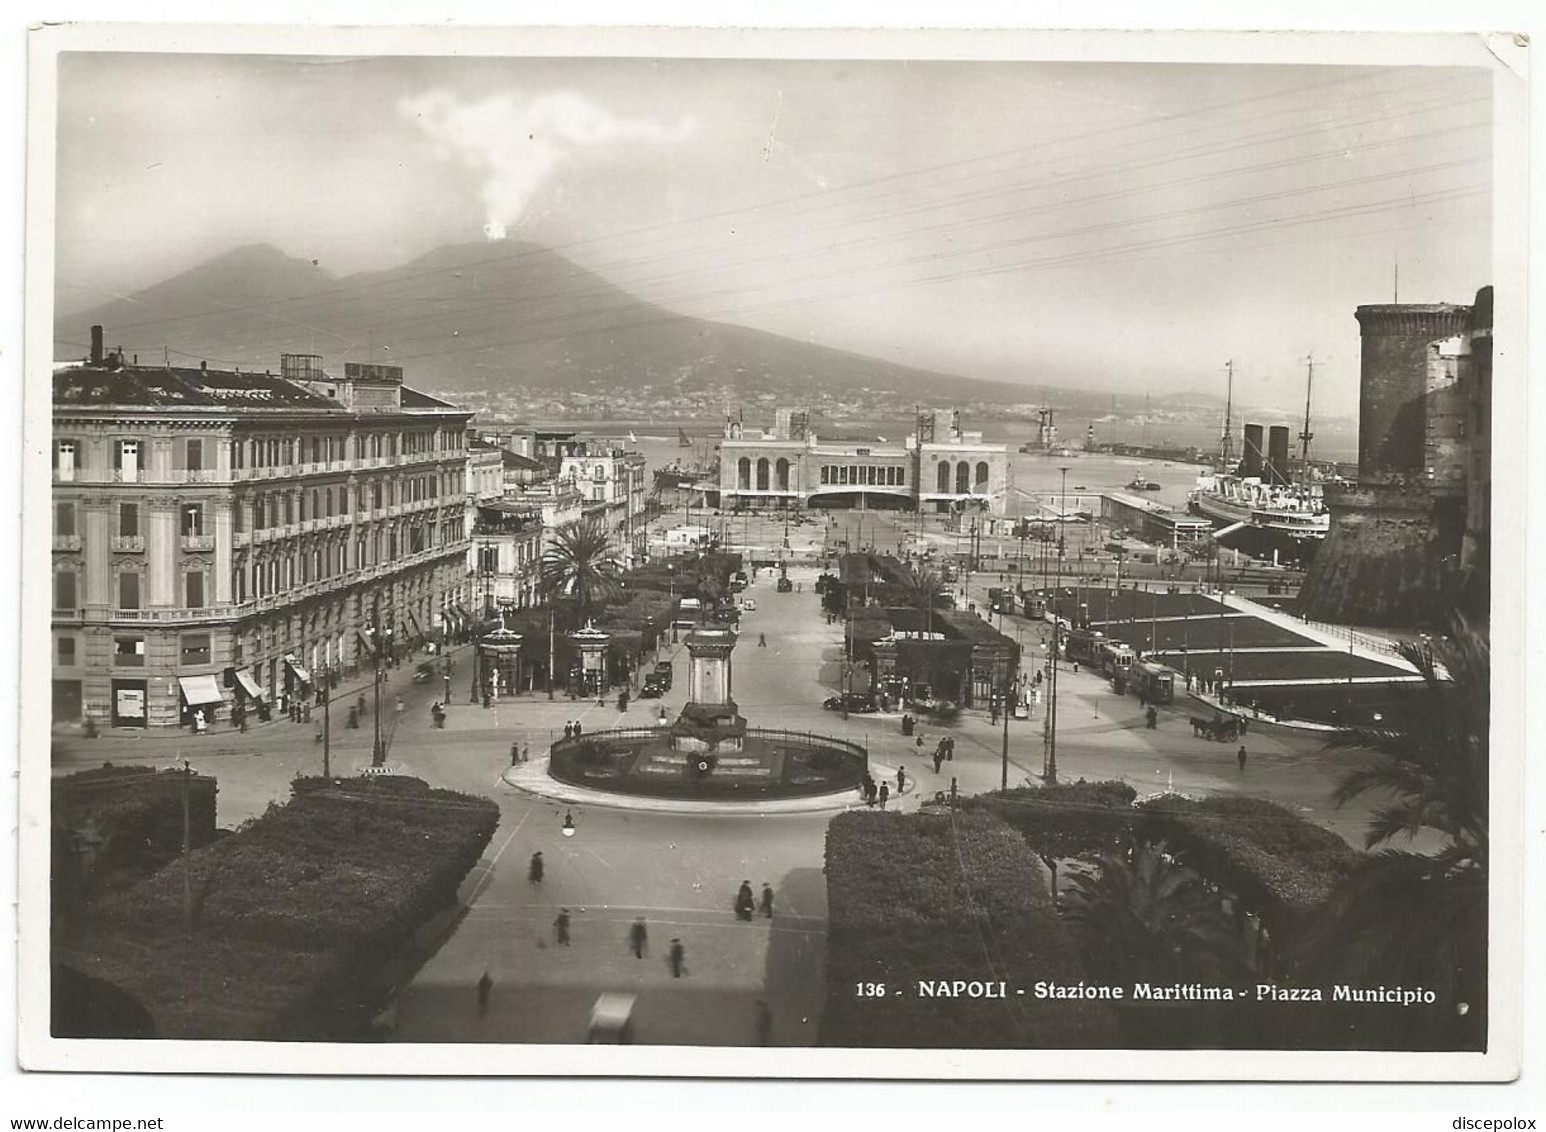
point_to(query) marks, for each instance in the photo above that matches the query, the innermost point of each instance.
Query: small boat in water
(1140, 482)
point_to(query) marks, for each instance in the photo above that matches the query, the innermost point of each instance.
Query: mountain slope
(505, 316)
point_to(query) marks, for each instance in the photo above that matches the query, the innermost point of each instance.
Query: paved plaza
(680, 871)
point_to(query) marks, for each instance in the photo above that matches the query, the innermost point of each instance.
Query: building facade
(231, 541)
(938, 468)
(507, 546)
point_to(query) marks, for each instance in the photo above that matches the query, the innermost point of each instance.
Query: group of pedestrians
(572, 729)
(746, 905)
(944, 752)
(880, 793)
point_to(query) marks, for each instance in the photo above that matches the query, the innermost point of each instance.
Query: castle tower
(1393, 553)
(1393, 384)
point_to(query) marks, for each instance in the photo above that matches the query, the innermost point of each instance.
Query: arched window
(944, 476)
(963, 478)
(982, 476)
(782, 469)
(762, 474)
(743, 473)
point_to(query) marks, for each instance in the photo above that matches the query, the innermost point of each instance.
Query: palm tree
(1412, 918)
(921, 589)
(1144, 918)
(581, 565)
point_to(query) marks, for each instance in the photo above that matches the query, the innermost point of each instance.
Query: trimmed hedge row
(924, 897)
(1278, 864)
(127, 821)
(293, 912)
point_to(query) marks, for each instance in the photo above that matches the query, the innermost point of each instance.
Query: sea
(1032, 476)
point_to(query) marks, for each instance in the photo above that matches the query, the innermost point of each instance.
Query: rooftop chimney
(96, 345)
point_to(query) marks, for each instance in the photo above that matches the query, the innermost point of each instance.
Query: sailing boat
(681, 439)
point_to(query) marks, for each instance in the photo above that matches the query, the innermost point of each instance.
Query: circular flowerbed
(768, 764)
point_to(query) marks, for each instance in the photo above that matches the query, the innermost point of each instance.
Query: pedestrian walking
(198, 721)
(525, 752)
(762, 640)
(1241, 756)
(399, 705)
(561, 927)
(638, 937)
(359, 704)
(745, 903)
(568, 729)
(515, 753)
(678, 958)
(901, 780)
(939, 757)
(950, 749)
(577, 729)
(485, 988)
(534, 872)
(918, 742)
(766, 906)
(869, 792)
(885, 792)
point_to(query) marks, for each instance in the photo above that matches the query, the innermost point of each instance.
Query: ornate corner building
(229, 542)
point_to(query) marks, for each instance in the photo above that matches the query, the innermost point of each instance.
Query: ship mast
(1306, 436)
(1227, 442)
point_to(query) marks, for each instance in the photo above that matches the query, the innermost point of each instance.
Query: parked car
(662, 672)
(856, 702)
(749, 605)
(653, 688)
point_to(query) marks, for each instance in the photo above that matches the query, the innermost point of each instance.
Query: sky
(1128, 227)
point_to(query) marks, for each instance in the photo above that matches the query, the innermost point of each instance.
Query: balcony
(128, 544)
(67, 542)
(203, 475)
(198, 542)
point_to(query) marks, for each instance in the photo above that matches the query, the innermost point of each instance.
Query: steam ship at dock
(1258, 506)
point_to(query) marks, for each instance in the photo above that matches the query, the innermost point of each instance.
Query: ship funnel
(1277, 453)
(1251, 456)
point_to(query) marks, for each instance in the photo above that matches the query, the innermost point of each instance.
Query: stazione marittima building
(225, 541)
(939, 468)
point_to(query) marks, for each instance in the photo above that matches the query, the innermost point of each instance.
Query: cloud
(517, 142)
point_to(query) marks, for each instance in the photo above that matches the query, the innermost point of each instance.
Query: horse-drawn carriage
(1220, 728)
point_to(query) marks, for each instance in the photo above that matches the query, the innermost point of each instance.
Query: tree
(1407, 917)
(1143, 918)
(921, 590)
(581, 566)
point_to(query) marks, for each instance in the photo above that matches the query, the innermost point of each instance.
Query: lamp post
(1050, 774)
(327, 730)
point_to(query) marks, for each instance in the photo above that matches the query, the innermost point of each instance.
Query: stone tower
(1393, 554)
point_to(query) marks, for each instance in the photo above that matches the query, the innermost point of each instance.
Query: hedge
(1280, 865)
(923, 897)
(131, 816)
(1068, 819)
(292, 913)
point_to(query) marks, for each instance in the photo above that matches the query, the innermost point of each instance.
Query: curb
(533, 778)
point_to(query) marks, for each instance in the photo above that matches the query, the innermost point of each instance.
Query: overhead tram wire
(1049, 262)
(1234, 171)
(609, 288)
(1350, 210)
(588, 315)
(614, 284)
(670, 230)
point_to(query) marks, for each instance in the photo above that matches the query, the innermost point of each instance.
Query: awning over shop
(200, 690)
(300, 672)
(451, 618)
(249, 683)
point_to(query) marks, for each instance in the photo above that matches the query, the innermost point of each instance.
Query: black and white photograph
(793, 556)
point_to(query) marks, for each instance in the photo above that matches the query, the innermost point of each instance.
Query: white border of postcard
(1503, 55)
